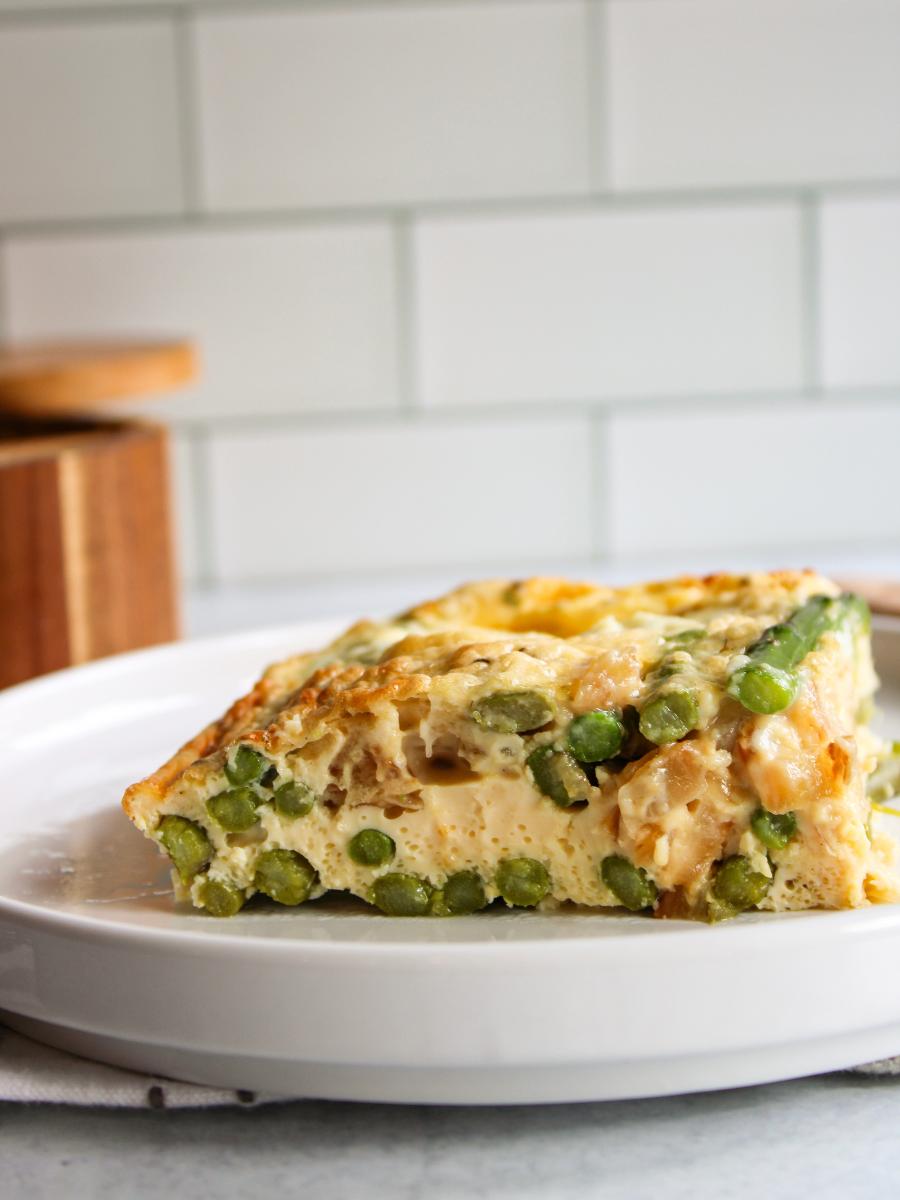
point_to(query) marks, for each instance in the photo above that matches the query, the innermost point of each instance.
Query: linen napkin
(34, 1073)
(31, 1072)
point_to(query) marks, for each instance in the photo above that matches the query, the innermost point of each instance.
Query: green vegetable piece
(371, 848)
(884, 782)
(856, 612)
(630, 885)
(294, 800)
(774, 830)
(685, 637)
(669, 717)
(596, 736)
(764, 689)
(513, 712)
(558, 775)
(186, 844)
(285, 876)
(401, 895)
(522, 882)
(246, 766)
(221, 899)
(234, 810)
(768, 683)
(717, 910)
(464, 893)
(672, 707)
(635, 744)
(738, 886)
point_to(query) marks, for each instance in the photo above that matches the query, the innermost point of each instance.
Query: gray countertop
(833, 1136)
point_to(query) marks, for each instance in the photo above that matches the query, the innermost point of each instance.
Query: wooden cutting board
(86, 553)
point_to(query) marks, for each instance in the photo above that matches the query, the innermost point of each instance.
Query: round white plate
(334, 1000)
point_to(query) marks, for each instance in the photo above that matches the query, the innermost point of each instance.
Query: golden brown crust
(543, 604)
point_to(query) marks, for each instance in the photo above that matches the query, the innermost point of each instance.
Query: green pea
(246, 766)
(221, 899)
(513, 712)
(464, 893)
(774, 830)
(522, 882)
(294, 800)
(596, 736)
(401, 895)
(630, 885)
(234, 810)
(285, 876)
(738, 886)
(371, 848)
(669, 716)
(558, 775)
(186, 844)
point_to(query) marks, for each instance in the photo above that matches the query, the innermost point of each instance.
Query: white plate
(333, 1000)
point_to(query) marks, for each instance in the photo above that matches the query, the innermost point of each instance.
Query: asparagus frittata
(690, 748)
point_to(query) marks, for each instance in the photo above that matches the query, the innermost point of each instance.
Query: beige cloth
(32, 1073)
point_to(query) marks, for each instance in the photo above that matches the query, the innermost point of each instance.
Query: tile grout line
(485, 208)
(405, 315)
(687, 404)
(810, 233)
(461, 566)
(188, 108)
(599, 125)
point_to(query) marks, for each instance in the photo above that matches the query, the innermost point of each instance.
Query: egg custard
(690, 748)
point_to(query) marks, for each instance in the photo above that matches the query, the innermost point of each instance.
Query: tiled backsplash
(478, 281)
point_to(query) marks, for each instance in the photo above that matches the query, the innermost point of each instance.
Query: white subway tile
(88, 120)
(285, 319)
(609, 303)
(392, 103)
(373, 496)
(184, 515)
(860, 299)
(758, 477)
(730, 92)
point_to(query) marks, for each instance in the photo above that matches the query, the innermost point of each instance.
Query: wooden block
(86, 561)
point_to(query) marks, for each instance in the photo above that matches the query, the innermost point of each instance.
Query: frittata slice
(690, 748)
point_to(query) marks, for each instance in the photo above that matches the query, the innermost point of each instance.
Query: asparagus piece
(673, 707)
(670, 716)
(769, 682)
